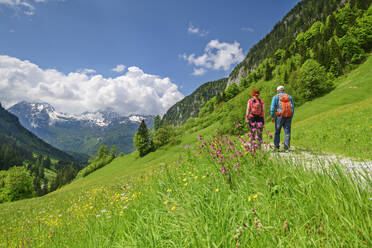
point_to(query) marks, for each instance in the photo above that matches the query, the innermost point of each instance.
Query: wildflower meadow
(219, 191)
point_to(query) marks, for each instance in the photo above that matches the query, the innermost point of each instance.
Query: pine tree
(157, 122)
(142, 140)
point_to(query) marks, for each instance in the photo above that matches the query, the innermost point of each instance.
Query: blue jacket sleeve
(292, 105)
(273, 106)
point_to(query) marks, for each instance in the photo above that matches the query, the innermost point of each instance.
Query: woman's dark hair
(255, 92)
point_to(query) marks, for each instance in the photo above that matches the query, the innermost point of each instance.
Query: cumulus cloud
(119, 68)
(217, 56)
(76, 92)
(194, 30)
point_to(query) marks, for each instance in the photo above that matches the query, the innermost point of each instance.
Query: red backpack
(256, 107)
(284, 106)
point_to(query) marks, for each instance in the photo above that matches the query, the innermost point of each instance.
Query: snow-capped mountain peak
(84, 132)
(39, 115)
(136, 118)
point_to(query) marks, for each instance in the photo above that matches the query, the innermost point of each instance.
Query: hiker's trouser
(254, 125)
(284, 122)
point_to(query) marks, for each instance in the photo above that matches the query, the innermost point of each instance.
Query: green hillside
(191, 105)
(340, 122)
(23, 141)
(298, 20)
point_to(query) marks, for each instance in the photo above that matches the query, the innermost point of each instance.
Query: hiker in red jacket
(255, 114)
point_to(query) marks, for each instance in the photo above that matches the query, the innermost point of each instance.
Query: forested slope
(298, 20)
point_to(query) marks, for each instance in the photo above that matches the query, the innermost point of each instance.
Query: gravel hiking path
(354, 166)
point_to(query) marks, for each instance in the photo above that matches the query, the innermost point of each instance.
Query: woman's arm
(247, 112)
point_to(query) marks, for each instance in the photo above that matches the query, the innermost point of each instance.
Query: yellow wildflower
(185, 179)
(185, 184)
(165, 202)
(255, 196)
(169, 190)
(249, 199)
(173, 208)
(217, 190)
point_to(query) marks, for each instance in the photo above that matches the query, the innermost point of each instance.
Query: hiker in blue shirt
(282, 110)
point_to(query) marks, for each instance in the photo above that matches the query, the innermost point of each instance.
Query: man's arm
(273, 108)
(292, 105)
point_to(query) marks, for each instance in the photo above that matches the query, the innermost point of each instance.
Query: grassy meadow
(182, 196)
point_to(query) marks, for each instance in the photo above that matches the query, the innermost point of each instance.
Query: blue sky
(181, 44)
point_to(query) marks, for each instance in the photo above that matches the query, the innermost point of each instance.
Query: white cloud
(86, 71)
(194, 30)
(217, 56)
(199, 72)
(248, 29)
(76, 92)
(119, 68)
(25, 6)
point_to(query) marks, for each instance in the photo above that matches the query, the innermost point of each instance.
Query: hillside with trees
(26, 166)
(22, 140)
(298, 20)
(191, 105)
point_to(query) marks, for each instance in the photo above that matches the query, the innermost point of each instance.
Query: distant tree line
(103, 157)
(27, 178)
(146, 140)
(191, 105)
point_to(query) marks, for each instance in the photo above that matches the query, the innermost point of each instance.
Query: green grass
(341, 121)
(190, 204)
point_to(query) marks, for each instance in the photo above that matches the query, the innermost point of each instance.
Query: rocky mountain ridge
(82, 133)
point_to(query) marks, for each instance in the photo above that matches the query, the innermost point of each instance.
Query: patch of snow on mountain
(59, 117)
(96, 118)
(34, 125)
(135, 118)
(40, 107)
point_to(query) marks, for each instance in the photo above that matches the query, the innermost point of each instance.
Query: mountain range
(83, 133)
(18, 142)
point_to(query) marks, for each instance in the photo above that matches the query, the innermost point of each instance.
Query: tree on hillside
(18, 183)
(231, 92)
(157, 121)
(142, 140)
(313, 81)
